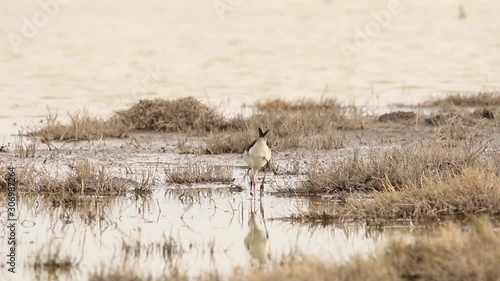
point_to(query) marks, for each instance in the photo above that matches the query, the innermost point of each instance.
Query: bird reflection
(257, 241)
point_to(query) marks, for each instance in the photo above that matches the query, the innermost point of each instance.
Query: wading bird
(257, 155)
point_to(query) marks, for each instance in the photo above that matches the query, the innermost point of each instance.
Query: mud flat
(163, 185)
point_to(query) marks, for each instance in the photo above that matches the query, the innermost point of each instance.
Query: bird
(257, 155)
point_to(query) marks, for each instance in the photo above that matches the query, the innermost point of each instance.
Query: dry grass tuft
(179, 115)
(278, 104)
(224, 142)
(82, 126)
(307, 125)
(450, 254)
(462, 196)
(488, 99)
(24, 150)
(84, 178)
(199, 173)
(398, 116)
(398, 167)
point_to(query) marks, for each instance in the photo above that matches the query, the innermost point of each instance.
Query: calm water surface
(210, 233)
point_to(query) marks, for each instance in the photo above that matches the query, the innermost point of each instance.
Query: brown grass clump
(223, 142)
(278, 104)
(24, 150)
(397, 116)
(488, 99)
(82, 126)
(450, 254)
(293, 125)
(398, 167)
(463, 196)
(179, 115)
(85, 178)
(446, 254)
(199, 173)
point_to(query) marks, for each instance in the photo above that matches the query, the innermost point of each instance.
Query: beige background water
(99, 54)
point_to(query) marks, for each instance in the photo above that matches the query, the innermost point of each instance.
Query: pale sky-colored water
(105, 55)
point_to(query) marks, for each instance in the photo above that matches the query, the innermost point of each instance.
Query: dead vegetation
(398, 116)
(24, 149)
(83, 178)
(290, 122)
(482, 99)
(278, 104)
(462, 196)
(82, 126)
(294, 124)
(199, 173)
(180, 115)
(397, 167)
(449, 253)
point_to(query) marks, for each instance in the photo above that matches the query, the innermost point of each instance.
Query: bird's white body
(258, 155)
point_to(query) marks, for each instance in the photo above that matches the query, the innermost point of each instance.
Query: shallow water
(105, 55)
(209, 230)
(208, 226)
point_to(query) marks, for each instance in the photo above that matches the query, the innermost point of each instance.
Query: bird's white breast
(258, 155)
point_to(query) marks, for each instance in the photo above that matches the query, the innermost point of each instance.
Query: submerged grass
(448, 253)
(199, 173)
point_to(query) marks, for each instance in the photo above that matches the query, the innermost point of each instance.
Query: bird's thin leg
(251, 181)
(254, 176)
(263, 179)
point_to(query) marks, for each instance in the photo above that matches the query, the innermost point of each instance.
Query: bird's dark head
(262, 134)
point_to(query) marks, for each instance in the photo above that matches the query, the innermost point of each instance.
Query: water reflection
(257, 241)
(196, 230)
